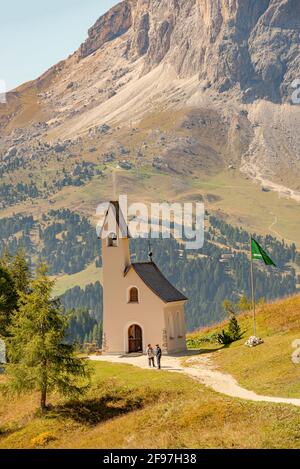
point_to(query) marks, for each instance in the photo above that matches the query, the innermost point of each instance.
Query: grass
(132, 408)
(237, 196)
(267, 369)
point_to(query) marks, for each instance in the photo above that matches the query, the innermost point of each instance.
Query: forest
(68, 243)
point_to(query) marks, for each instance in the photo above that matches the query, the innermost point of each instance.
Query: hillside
(163, 101)
(120, 413)
(68, 243)
(168, 100)
(267, 369)
(182, 413)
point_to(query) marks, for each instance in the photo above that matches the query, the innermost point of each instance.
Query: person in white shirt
(150, 354)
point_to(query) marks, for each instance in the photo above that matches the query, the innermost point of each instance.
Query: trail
(201, 369)
(273, 224)
(276, 233)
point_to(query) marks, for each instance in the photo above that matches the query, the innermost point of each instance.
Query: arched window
(133, 295)
(112, 240)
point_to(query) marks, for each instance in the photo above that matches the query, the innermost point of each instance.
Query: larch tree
(14, 279)
(40, 359)
(20, 271)
(8, 299)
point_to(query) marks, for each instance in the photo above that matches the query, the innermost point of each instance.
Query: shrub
(196, 342)
(224, 338)
(42, 440)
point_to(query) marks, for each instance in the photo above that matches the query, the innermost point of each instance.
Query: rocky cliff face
(223, 67)
(108, 27)
(249, 46)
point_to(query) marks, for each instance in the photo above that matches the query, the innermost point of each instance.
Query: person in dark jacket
(158, 354)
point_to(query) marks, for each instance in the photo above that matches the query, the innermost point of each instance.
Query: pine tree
(244, 304)
(229, 307)
(8, 299)
(20, 271)
(100, 333)
(40, 358)
(14, 278)
(95, 334)
(234, 329)
(6, 258)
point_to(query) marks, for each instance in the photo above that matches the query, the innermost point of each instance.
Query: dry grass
(132, 408)
(267, 369)
(91, 274)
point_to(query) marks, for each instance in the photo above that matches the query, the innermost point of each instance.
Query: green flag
(259, 254)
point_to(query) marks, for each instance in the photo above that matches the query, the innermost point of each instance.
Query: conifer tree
(95, 334)
(234, 329)
(244, 304)
(39, 356)
(20, 271)
(8, 299)
(14, 278)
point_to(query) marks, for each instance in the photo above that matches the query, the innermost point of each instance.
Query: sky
(36, 34)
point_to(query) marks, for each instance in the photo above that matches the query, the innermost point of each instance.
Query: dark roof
(154, 279)
(119, 219)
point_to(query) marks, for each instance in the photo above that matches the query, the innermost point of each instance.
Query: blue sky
(36, 34)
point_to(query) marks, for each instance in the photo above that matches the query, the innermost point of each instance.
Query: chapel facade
(140, 306)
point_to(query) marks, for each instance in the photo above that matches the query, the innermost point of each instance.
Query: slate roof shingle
(155, 280)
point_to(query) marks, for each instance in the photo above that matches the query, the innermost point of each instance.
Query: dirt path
(201, 369)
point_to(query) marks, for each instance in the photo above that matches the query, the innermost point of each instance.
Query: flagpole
(252, 287)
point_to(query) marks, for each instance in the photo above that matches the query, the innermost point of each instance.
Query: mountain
(184, 99)
(219, 41)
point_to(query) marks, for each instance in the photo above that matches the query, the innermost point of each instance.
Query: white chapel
(140, 306)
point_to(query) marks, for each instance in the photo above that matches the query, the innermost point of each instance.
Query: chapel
(140, 306)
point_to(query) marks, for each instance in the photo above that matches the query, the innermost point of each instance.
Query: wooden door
(135, 339)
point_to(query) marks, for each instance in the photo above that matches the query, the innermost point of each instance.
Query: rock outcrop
(249, 46)
(108, 27)
(230, 62)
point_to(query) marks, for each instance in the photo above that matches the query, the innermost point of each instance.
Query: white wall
(151, 313)
(175, 325)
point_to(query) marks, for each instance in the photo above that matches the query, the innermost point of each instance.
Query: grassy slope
(91, 274)
(132, 408)
(248, 206)
(267, 369)
(237, 198)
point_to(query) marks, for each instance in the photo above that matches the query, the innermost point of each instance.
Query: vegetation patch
(267, 369)
(135, 408)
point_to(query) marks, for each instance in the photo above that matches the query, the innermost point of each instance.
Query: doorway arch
(135, 339)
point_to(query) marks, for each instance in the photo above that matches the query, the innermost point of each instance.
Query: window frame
(129, 300)
(112, 240)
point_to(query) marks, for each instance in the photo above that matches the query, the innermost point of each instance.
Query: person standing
(158, 354)
(150, 354)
